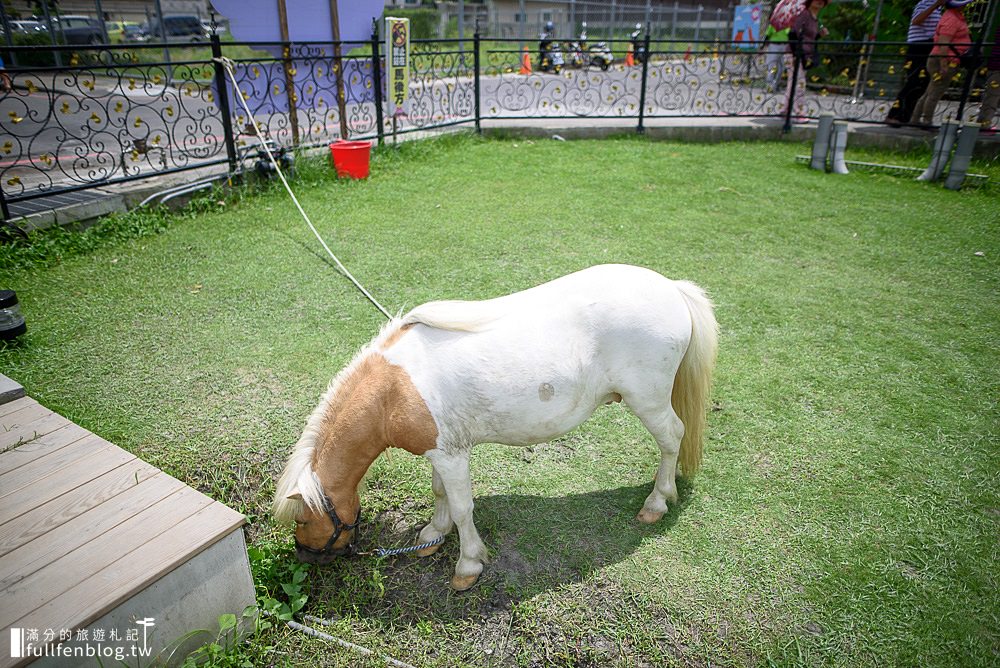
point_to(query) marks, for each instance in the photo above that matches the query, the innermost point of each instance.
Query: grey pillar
(821, 145)
(963, 155)
(839, 145)
(942, 150)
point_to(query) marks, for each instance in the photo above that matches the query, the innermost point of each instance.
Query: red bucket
(350, 158)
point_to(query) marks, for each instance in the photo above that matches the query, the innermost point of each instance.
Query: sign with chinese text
(397, 63)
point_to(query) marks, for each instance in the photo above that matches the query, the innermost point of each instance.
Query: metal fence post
(790, 102)
(3, 205)
(642, 88)
(223, 92)
(475, 64)
(377, 80)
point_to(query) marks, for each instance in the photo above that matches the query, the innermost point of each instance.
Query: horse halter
(338, 528)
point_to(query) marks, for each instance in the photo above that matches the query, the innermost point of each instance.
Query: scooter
(574, 54)
(550, 58)
(638, 45)
(598, 54)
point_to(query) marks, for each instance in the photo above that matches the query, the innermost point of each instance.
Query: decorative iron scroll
(94, 124)
(102, 117)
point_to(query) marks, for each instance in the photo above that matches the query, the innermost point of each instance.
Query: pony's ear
(294, 495)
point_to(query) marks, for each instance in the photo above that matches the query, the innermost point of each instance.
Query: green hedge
(423, 22)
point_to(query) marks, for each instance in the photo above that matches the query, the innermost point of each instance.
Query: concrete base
(184, 607)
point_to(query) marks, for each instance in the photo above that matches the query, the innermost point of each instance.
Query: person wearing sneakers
(802, 46)
(919, 42)
(991, 90)
(951, 40)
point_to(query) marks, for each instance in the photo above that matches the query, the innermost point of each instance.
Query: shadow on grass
(536, 544)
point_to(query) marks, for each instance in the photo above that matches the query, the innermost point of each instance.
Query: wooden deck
(84, 525)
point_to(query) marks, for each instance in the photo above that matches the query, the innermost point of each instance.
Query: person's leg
(915, 84)
(940, 73)
(991, 99)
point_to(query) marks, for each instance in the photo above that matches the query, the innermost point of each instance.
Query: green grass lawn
(848, 508)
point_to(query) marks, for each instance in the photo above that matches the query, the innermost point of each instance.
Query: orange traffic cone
(526, 62)
(629, 58)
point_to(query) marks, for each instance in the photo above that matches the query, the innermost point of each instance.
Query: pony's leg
(454, 473)
(668, 430)
(441, 523)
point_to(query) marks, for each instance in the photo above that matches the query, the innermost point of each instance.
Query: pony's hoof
(463, 582)
(428, 551)
(648, 516)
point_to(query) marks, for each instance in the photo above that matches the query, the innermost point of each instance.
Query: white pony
(517, 370)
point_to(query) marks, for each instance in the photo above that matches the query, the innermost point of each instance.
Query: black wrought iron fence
(114, 114)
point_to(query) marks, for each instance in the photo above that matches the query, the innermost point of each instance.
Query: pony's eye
(301, 523)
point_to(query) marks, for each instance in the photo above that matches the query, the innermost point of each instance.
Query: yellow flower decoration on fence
(89, 85)
(15, 119)
(46, 158)
(14, 181)
(170, 110)
(65, 108)
(7, 147)
(119, 106)
(95, 118)
(138, 121)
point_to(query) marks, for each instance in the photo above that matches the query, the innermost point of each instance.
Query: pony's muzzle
(309, 555)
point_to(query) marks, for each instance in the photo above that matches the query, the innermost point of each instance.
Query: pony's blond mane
(462, 316)
(299, 474)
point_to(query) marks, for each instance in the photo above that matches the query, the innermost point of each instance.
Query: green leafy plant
(224, 650)
(280, 582)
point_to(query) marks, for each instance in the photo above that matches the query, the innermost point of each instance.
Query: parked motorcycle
(550, 58)
(598, 54)
(574, 54)
(638, 45)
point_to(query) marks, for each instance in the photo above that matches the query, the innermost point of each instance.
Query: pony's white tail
(694, 377)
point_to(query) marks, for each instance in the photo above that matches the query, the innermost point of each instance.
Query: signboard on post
(746, 22)
(397, 64)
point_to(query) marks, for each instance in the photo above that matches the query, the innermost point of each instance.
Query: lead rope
(237, 93)
(382, 552)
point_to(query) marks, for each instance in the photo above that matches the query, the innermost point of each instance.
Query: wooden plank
(83, 528)
(59, 511)
(24, 454)
(9, 390)
(111, 586)
(24, 414)
(16, 405)
(73, 456)
(52, 476)
(110, 553)
(13, 434)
